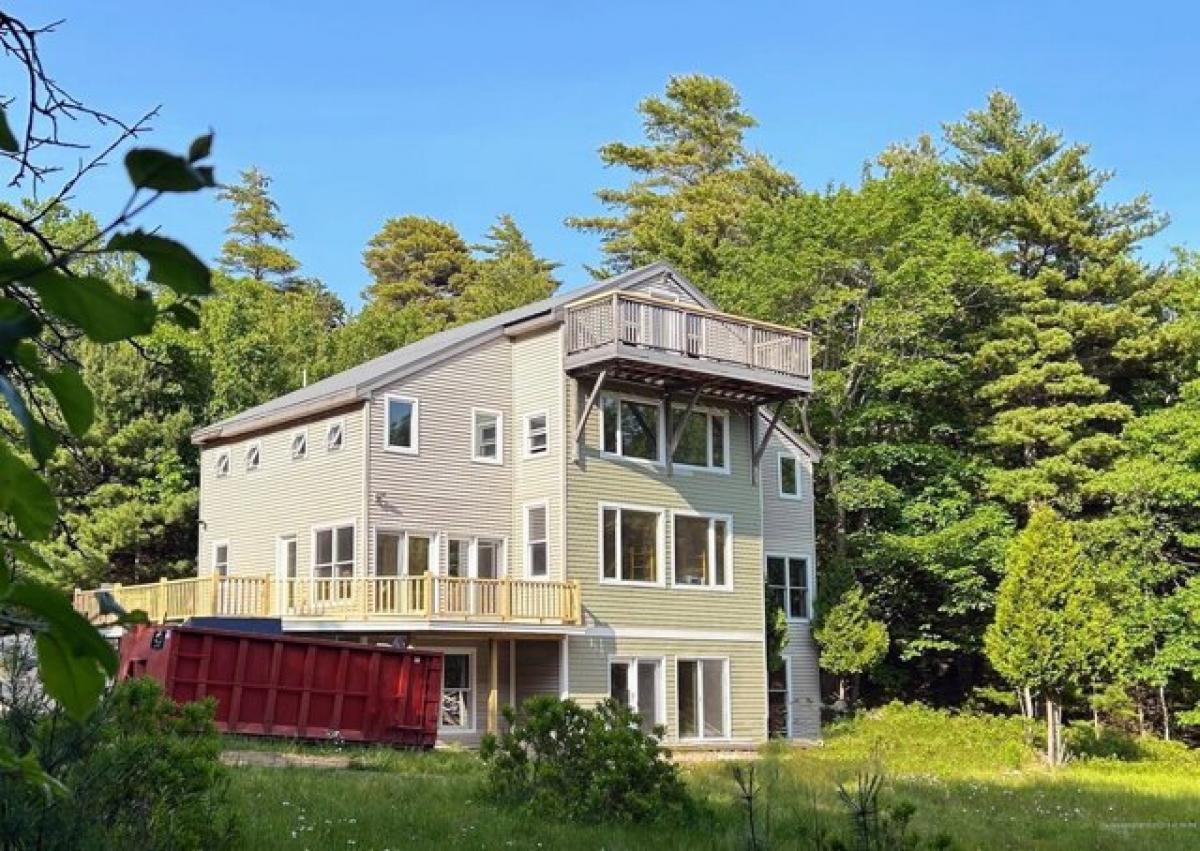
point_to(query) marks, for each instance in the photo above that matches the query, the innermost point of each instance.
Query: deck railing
(644, 322)
(443, 598)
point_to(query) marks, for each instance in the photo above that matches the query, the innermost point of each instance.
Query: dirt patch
(270, 759)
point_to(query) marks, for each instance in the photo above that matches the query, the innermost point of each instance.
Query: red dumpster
(272, 685)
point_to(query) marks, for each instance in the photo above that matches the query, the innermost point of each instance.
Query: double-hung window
(787, 585)
(537, 434)
(631, 429)
(702, 695)
(486, 436)
(403, 553)
(789, 476)
(631, 545)
(637, 683)
(333, 562)
(401, 422)
(703, 442)
(702, 551)
(220, 561)
(458, 692)
(537, 535)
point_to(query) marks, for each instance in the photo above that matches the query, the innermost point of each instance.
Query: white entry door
(285, 574)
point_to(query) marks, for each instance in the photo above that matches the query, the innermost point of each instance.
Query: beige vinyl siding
(788, 529)
(664, 288)
(440, 489)
(589, 658)
(537, 383)
(609, 480)
(284, 496)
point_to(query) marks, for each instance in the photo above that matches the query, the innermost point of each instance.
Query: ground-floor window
(702, 698)
(779, 700)
(458, 692)
(638, 684)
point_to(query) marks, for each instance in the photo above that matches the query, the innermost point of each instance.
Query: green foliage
(413, 258)
(564, 761)
(142, 772)
(851, 640)
(255, 233)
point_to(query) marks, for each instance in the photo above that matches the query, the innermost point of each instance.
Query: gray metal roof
(357, 382)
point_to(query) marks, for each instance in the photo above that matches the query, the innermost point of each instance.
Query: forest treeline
(991, 346)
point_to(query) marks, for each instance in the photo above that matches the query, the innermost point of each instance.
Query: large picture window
(631, 429)
(400, 428)
(458, 692)
(703, 440)
(702, 552)
(333, 562)
(703, 699)
(403, 554)
(637, 683)
(787, 584)
(631, 545)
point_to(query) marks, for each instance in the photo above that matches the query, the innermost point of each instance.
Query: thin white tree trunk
(1166, 712)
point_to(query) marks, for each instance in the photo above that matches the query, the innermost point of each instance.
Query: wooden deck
(653, 341)
(409, 598)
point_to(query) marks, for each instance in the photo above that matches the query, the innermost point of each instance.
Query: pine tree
(417, 259)
(1054, 629)
(508, 275)
(695, 180)
(255, 232)
(851, 641)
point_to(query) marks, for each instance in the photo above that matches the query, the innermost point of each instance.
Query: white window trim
(712, 543)
(475, 456)
(415, 449)
(661, 582)
(355, 571)
(338, 424)
(501, 557)
(435, 550)
(212, 565)
(799, 494)
(460, 731)
(449, 539)
(302, 432)
(810, 576)
(254, 446)
(662, 432)
(543, 504)
(708, 414)
(660, 684)
(527, 451)
(787, 666)
(227, 457)
(727, 721)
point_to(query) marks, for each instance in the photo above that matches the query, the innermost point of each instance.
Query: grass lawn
(974, 779)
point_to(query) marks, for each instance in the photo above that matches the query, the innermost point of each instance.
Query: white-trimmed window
(333, 561)
(489, 558)
(220, 559)
(702, 698)
(631, 545)
(458, 557)
(458, 692)
(401, 553)
(631, 428)
(703, 551)
(788, 585)
(487, 428)
(221, 468)
(537, 536)
(299, 444)
(789, 476)
(335, 436)
(537, 434)
(779, 700)
(638, 683)
(253, 457)
(401, 416)
(704, 442)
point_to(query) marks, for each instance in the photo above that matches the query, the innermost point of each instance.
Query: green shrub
(142, 773)
(592, 765)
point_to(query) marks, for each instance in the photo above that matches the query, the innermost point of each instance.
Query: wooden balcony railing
(442, 598)
(650, 323)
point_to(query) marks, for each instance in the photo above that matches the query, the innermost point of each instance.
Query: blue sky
(364, 110)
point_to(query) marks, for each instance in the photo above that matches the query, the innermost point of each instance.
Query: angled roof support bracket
(586, 412)
(766, 438)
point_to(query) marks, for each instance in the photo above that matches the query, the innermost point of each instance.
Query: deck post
(493, 703)
(216, 592)
(563, 679)
(161, 599)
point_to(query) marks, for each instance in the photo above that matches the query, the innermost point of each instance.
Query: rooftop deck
(401, 600)
(664, 343)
